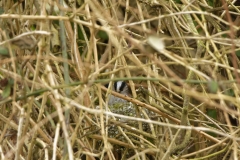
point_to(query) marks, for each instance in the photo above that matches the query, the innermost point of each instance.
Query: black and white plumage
(119, 105)
(122, 88)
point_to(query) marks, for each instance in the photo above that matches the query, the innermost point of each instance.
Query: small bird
(122, 88)
(119, 105)
(123, 107)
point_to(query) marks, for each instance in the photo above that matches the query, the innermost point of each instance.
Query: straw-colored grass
(57, 56)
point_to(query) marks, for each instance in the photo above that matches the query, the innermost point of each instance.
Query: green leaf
(33, 27)
(211, 3)
(7, 91)
(229, 92)
(213, 86)
(212, 113)
(11, 82)
(4, 51)
(238, 53)
(178, 1)
(103, 35)
(1, 10)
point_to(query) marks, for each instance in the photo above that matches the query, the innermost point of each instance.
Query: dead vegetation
(180, 59)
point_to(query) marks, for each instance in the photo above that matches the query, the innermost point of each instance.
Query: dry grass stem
(179, 59)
